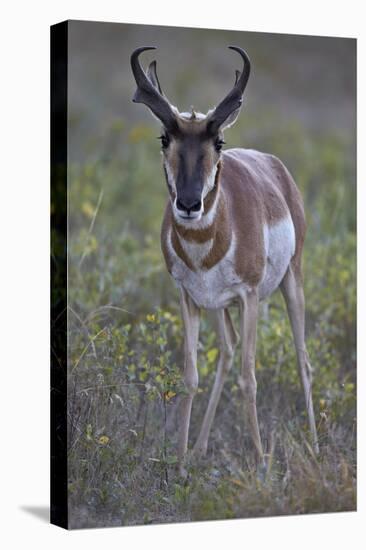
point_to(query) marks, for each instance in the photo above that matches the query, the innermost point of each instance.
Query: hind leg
(293, 293)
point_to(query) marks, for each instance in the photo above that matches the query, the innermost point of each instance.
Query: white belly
(219, 286)
(280, 243)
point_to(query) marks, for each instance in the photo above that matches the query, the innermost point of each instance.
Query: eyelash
(218, 144)
(164, 141)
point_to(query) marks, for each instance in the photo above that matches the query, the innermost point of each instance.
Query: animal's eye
(164, 141)
(219, 143)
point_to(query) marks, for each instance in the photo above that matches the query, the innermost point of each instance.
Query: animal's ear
(230, 121)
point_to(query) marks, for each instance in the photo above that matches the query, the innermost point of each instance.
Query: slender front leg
(247, 381)
(190, 315)
(227, 339)
(293, 293)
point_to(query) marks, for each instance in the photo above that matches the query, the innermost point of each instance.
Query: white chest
(210, 289)
(219, 286)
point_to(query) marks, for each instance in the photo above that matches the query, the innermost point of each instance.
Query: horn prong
(150, 95)
(233, 100)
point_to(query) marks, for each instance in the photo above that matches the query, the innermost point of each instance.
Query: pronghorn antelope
(233, 232)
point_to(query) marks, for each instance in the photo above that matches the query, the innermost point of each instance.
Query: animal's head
(191, 142)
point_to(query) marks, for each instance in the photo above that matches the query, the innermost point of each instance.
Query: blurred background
(125, 334)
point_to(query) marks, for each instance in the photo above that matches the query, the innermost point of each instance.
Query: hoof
(183, 472)
(262, 470)
(315, 444)
(200, 451)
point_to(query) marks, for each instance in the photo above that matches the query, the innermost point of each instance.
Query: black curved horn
(232, 102)
(149, 94)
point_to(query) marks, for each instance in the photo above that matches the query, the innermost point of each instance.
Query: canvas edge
(58, 259)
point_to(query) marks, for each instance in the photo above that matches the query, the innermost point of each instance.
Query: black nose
(189, 205)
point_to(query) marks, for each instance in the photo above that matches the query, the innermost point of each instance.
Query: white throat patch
(196, 252)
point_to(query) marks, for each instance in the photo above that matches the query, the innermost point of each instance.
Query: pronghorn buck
(233, 232)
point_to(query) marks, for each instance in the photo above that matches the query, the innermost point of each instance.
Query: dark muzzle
(188, 205)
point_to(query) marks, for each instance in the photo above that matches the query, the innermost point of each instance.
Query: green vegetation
(125, 350)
